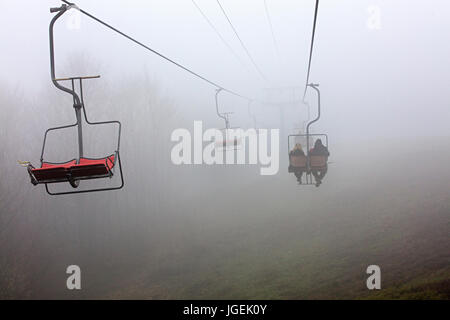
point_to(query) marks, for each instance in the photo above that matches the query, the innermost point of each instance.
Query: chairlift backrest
(318, 161)
(298, 161)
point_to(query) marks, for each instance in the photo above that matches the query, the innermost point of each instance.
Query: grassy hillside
(286, 242)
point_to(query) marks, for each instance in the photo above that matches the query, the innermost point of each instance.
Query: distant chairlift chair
(229, 142)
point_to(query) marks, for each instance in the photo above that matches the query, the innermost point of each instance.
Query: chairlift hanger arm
(224, 116)
(60, 11)
(305, 122)
(316, 88)
(77, 102)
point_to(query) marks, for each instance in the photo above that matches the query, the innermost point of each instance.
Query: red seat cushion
(108, 162)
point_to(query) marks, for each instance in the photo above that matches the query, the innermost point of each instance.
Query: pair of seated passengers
(298, 162)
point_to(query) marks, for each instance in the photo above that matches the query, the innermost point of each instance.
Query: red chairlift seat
(86, 169)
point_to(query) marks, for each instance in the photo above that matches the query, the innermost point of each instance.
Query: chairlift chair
(306, 163)
(229, 142)
(82, 167)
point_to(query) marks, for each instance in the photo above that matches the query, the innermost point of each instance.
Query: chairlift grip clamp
(62, 8)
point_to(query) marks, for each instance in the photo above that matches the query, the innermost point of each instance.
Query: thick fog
(199, 231)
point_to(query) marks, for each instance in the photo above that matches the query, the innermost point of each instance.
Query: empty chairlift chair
(82, 167)
(230, 141)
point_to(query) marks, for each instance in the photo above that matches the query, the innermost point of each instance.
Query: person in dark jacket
(298, 151)
(319, 150)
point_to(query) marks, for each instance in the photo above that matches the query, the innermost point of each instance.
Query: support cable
(156, 52)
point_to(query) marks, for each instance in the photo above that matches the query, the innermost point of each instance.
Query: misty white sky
(383, 82)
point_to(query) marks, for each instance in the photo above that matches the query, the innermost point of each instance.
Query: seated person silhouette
(320, 154)
(297, 162)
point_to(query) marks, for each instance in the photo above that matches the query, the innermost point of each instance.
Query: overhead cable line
(218, 34)
(156, 52)
(242, 42)
(312, 47)
(271, 29)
